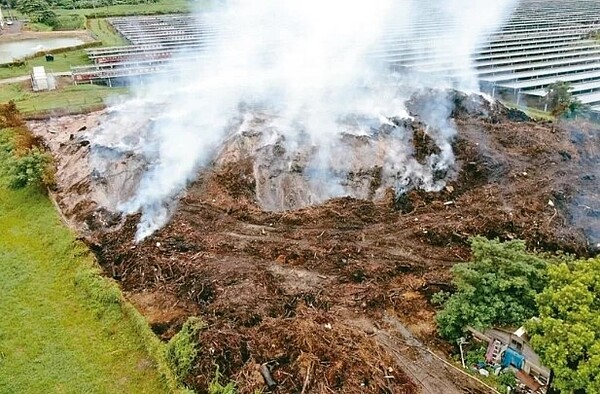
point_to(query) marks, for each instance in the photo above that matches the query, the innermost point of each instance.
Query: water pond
(10, 51)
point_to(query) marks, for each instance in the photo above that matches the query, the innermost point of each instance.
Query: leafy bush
(182, 349)
(34, 168)
(498, 287)
(69, 22)
(475, 355)
(561, 102)
(507, 379)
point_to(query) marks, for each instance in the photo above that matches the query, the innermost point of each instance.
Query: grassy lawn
(38, 27)
(71, 97)
(62, 62)
(54, 336)
(104, 32)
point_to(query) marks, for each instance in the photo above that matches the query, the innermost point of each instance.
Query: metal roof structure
(543, 41)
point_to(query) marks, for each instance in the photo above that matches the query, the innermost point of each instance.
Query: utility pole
(461, 341)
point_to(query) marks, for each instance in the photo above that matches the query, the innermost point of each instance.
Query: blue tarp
(512, 357)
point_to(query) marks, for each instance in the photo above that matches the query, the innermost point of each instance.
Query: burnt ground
(335, 297)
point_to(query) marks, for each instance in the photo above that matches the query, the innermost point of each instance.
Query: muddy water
(10, 51)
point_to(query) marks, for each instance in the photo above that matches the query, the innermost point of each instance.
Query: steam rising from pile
(309, 66)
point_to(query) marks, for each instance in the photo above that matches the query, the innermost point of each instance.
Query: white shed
(40, 80)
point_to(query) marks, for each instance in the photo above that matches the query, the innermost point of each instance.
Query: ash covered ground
(332, 294)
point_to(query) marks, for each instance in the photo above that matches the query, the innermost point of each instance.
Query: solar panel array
(544, 41)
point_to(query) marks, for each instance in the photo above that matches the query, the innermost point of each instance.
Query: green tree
(45, 16)
(561, 102)
(498, 287)
(31, 6)
(567, 333)
(38, 11)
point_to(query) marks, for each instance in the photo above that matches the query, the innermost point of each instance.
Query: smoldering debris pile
(365, 162)
(324, 295)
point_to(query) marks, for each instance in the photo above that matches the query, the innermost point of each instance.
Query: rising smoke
(309, 64)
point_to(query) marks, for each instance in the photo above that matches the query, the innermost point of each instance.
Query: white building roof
(39, 72)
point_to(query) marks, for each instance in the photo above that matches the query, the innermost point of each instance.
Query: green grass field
(54, 336)
(72, 98)
(62, 62)
(104, 32)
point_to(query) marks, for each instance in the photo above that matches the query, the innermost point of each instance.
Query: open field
(73, 98)
(55, 337)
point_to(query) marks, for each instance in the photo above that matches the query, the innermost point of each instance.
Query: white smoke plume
(308, 63)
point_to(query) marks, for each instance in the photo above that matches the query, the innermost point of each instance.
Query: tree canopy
(498, 287)
(38, 11)
(567, 333)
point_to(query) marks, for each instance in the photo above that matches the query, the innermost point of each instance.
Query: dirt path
(15, 34)
(23, 78)
(433, 373)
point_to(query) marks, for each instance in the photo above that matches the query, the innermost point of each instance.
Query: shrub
(182, 349)
(26, 163)
(9, 116)
(33, 168)
(24, 141)
(507, 379)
